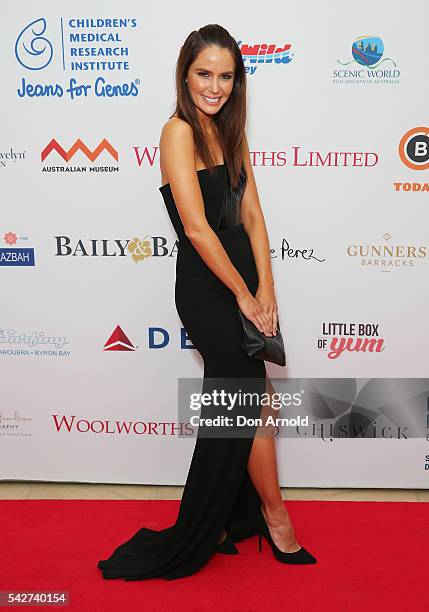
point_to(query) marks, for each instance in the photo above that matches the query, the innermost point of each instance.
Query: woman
(223, 263)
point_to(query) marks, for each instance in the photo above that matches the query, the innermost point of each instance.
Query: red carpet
(371, 556)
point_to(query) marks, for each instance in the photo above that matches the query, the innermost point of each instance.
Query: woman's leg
(262, 469)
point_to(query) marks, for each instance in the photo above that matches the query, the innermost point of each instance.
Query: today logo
(413, 150)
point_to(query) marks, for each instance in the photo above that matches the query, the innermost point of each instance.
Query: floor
(12, 489)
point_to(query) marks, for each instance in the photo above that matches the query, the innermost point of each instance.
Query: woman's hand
(266, 297)
(255, 312)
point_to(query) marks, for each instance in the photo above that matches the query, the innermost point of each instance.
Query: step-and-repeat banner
(91, 346)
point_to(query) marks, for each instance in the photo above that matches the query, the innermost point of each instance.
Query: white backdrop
(66, 401)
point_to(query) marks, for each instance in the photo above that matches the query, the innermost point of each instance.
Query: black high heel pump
(227, 546)
(299, 557)
(245, 531)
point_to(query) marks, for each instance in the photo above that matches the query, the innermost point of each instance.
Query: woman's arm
(254, 223)
(177, 150)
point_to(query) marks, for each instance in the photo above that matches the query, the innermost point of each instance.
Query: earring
(186, 80)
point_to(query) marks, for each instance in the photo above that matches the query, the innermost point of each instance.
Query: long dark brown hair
(230, 121)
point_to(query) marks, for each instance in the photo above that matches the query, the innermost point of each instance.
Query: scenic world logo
(11, 255)
(368, 51)
(258, 54)
(386, 256)
(367, 64)
(95, 48)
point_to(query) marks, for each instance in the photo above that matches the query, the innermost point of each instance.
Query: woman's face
(210, 79)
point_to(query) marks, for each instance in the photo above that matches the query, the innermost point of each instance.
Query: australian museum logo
(61, 157)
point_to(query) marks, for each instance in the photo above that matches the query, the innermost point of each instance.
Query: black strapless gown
(218, 493)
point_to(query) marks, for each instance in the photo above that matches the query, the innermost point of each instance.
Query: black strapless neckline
(200, 170)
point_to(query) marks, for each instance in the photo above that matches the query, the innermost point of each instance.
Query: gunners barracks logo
(79, 149)
(387, 256)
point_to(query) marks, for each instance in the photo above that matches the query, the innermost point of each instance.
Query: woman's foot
(281, 528)
(222, 537)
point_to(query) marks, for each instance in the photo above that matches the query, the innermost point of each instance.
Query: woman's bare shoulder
(176, 142)
(175, 128)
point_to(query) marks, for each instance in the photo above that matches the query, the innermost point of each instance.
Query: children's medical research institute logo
(89, 50)
(368, 64)
(259, 54)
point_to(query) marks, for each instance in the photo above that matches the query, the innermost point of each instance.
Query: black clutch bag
(259, 346)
